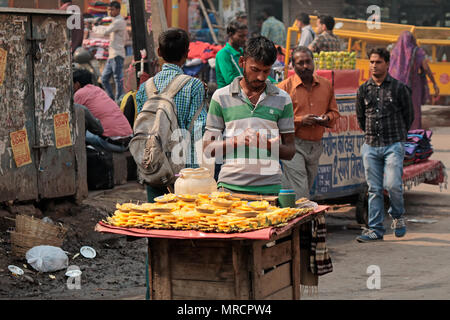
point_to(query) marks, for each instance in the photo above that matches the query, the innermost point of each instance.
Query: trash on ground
(73, 273)
(15, 270)
(428, 221)
(88, 252)
(47, 258)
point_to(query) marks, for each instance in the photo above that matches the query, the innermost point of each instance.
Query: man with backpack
(168, 104)
(307, 33)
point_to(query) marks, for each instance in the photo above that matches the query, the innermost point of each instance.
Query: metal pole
(142, 36)
(205, 14)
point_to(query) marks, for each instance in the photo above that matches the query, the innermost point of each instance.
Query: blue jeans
(113, 67)
(95, 140)
(384, 169)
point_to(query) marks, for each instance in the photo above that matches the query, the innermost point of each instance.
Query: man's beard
(306, 74)
(254, 85)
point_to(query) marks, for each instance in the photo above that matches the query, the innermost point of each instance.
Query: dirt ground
(414, 267)
(118, 270)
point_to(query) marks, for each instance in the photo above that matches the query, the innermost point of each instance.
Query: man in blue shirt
(273, 29)
(174, 48)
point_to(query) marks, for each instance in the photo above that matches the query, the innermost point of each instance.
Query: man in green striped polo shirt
(250, 124)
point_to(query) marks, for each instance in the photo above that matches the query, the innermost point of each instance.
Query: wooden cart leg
(256, 271)
(149, 295)
(295, 245)
(159, 269)
(236, 255)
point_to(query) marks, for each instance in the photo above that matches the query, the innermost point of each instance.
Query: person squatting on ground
(174, 48)
(117, 32)
(312, 97)
(117, 131)
(385, 113)
(251, 122)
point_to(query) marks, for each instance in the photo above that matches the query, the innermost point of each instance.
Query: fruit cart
(191, 264)
(358, 38)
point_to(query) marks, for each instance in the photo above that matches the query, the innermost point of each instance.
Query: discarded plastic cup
(427, 221)
(73, 273)
(15, 270)
(88, 252)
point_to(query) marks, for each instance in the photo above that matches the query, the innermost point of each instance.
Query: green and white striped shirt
(250, 169)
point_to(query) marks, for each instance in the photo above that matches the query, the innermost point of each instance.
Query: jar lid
(287, 191)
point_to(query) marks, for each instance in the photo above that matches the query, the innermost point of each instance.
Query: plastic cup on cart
(286, 198)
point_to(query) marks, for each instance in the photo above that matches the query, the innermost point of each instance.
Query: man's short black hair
(382, 52)
(301, 49)
(173, 44)
(234, 26)
(261, 49)
(115, 4)
(66, 1)
(268, 11)
(328, 21)
(241, 14)
(304, 18)
(82, 76)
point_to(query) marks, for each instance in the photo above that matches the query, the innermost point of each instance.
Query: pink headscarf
(401, 55)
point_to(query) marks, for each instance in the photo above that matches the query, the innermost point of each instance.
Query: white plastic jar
(194, 181)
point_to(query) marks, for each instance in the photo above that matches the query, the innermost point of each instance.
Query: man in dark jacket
(385, 113)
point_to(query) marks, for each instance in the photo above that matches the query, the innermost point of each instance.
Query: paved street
(414, 267)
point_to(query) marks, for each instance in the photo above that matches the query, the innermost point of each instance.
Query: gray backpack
(153, 143)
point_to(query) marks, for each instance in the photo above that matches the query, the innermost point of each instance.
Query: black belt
(123, 142)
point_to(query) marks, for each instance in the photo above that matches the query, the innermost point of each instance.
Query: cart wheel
(362, 207)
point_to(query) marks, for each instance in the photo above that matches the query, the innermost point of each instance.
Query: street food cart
(188, 263)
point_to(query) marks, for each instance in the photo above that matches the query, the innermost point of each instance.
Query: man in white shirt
(307, 32)
(117, 32)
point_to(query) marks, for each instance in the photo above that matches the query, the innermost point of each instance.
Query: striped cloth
(315, 259)
(187, 101)
(320, 258)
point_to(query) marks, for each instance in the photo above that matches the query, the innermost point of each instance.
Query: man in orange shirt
(314, 109)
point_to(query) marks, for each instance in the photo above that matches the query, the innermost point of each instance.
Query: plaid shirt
(274, 30)
(385, 113)
(187, 100)
(326, 41)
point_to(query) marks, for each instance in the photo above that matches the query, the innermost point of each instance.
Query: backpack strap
(171, 91)
(197, 114)
(176, 85)
(150, 87)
